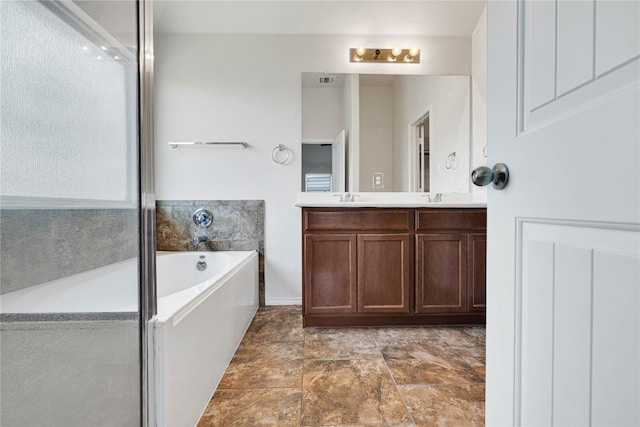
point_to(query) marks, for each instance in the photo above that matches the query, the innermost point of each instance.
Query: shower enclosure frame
(147, 289)
(137, 200)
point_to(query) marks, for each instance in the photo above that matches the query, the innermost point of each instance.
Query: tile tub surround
(49, 367)
(238, 225)
(41, 245)
(285, 375)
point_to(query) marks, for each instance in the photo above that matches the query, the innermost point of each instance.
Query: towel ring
(278, 149)
(451, 158)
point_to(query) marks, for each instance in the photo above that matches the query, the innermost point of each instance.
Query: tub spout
(197, 240)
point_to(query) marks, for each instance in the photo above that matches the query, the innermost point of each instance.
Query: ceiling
(324, 17)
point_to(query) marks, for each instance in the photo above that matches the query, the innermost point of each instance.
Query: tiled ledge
(9, 318)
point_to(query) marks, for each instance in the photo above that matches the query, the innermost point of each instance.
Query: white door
(563, 273)
(338, 165)
(421, 157)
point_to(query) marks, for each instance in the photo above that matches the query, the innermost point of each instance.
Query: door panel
(572, 297)
(575, 47)
(540, 79)
(618, 34)
(563, 236)
(330, 273)
(615, 355)
(384, 273)
(441, 264)
(570, 60)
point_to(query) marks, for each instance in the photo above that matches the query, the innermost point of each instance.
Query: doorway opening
(420, 154)
(323, 164)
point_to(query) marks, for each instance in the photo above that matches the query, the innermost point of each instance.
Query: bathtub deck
(285, 375)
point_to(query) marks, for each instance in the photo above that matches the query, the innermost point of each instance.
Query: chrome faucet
(347, 197)
(435, 197)
(197, 240)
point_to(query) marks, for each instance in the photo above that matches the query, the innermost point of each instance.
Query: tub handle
(202, 217)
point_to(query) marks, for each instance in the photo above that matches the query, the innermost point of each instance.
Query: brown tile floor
(283, 375)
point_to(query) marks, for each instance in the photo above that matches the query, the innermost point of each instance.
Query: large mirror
(366, 132)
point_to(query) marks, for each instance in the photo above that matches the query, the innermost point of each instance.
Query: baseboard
(283, 301)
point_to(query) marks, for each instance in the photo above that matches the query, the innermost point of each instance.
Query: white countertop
(390, 200)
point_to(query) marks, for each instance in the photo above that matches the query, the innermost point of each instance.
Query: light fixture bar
(384, 55)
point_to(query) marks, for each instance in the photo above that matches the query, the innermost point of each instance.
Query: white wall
(479, 96)
(376, 116)
(322, 112)
(248, 87)
(446, 99)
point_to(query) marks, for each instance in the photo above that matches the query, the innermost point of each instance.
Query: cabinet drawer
(361, 220)
(439, 220)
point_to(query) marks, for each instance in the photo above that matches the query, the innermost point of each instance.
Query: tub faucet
(197, 240)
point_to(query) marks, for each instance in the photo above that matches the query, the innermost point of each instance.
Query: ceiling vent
(326, 80)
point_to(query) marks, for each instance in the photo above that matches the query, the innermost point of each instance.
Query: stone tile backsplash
(238, 225)
(40, 245)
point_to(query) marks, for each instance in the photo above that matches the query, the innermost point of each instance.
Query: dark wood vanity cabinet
(356, 261)
(450, 260)
(381, 266)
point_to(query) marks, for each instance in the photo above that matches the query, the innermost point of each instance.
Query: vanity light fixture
(362, 54)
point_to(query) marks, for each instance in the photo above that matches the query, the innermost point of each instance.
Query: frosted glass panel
(68, 107)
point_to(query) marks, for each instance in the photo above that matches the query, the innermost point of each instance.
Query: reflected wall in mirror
(402, 132)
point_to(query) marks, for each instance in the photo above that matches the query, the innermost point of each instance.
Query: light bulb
(396, 51)
(360, 50)
(391, 58)
(103, 47)
(408, 58)
(357, 58)
(414, 51)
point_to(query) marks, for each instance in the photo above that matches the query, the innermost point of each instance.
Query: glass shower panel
(69, 214)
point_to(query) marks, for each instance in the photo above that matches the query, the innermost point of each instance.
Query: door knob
(498, 176)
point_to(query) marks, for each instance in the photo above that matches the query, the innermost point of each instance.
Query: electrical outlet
(378, 180)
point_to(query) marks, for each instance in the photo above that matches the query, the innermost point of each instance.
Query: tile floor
(284, 375)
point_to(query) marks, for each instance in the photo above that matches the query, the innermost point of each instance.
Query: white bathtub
(202, 317)
(113, 288)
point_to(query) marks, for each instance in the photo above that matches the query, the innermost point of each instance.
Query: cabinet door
(476, 285)
(329, 271)
(441, 273)
(384, 273)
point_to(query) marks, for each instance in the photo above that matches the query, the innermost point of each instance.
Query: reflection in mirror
(323, 164)
(402, 132)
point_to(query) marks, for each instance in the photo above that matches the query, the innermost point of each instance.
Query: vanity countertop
(390, 200)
